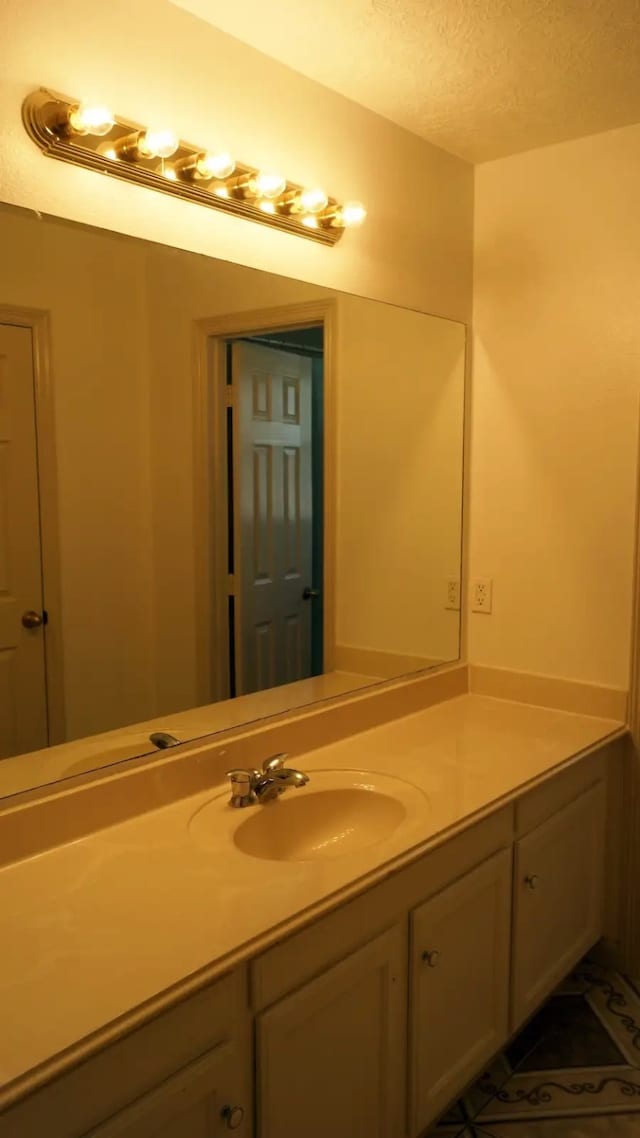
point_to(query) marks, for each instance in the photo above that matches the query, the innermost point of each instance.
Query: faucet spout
(272, 784)
(162, 740)
(251, 786)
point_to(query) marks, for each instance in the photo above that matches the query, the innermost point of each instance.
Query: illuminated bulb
(221, 191)
(267, 185)
(351, 214)
(215, 165)
(86, 119)
(267, 206)
(310, 220)
(313, 201)
(157, 144)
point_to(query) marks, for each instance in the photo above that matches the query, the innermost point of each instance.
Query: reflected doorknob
(32, 619)
(310, 594)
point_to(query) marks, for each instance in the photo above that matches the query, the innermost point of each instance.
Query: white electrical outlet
(453, 594)
(482, 594)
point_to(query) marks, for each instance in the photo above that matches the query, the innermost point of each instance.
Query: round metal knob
(310, 594)
(532, 881)
(431, 957)
(233, 1116)
(32, 619)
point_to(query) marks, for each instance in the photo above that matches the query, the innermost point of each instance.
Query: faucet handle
(274, 762)
(239, 776)
(242, 781)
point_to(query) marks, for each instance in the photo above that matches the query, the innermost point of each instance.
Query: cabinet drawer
(558, 898)
(459, 994)
(203, 1100)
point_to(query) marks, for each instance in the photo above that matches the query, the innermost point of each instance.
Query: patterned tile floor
(572, 1072)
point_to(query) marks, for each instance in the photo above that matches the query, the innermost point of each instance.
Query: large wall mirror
(223, 494)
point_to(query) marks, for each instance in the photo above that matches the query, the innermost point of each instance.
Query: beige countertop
(95, 928)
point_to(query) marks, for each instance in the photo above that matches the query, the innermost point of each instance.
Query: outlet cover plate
(482, 594)
(452, 601)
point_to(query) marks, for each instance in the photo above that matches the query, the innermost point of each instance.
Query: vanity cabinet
(558, 898)
(458, 985)
(310, 1037)
(331, 1056)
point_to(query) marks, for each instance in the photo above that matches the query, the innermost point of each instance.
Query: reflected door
(272, 507)
(23, 706)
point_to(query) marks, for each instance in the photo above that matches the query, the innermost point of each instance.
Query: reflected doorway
(273, 438)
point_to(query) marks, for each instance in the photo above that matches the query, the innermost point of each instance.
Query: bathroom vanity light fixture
(91, 136)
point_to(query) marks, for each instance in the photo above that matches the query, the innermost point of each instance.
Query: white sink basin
(338, 812)
(320, 825)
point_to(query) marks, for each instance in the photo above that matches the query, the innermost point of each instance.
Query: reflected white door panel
(273, 515)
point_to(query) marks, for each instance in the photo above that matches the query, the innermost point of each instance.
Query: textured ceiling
(480, 78)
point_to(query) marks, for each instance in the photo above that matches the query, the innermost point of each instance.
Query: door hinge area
(229, 395)
(231, 585)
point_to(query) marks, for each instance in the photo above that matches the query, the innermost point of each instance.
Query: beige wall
(156, 63)
(555, 406)
(93, 285)
(399, 465)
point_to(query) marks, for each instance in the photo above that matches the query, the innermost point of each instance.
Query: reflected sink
(105, 755)
(339, 812)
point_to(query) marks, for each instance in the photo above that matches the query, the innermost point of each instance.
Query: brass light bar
(92, 137)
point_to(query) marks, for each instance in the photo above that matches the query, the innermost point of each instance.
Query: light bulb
(215, 165)
(267, 206)
(87, 119)
(266, 185)
(351, 214)
(313, 201)
(310, 220)
(157, 143)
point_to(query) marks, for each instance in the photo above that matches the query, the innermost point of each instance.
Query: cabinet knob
(431, 957)
(233, 1116)
(532, 881)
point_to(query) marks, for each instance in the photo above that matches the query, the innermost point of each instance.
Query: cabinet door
(558, 891)
(459, 985)
(194, 1103)
(331, 1056)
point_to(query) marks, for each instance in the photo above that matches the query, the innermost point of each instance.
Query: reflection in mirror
(224, 494)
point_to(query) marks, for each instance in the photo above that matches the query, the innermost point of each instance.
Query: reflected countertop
(94, 928)
(65, 760)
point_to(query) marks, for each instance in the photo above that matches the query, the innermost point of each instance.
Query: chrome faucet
(251, 786)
